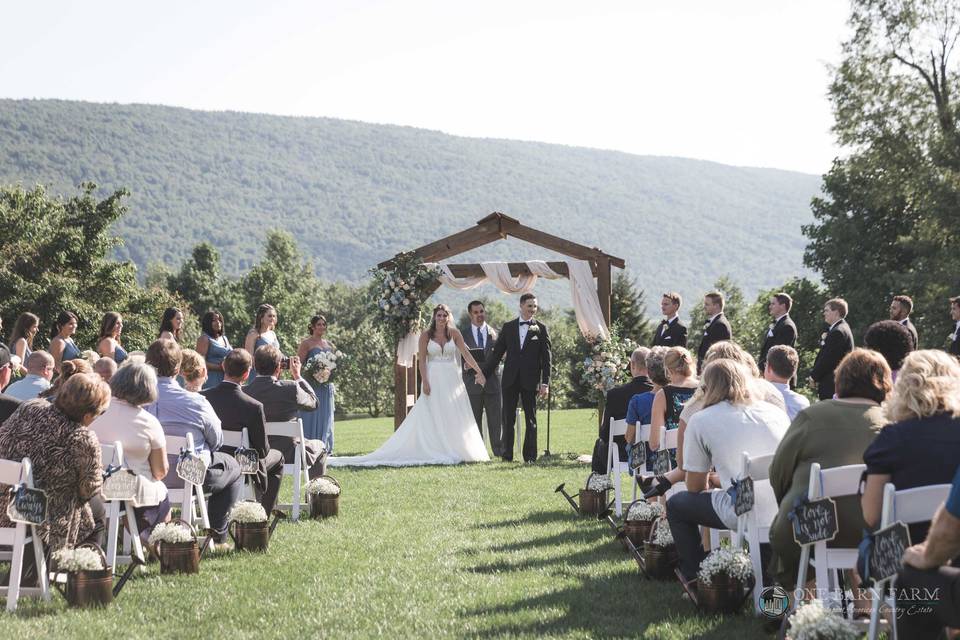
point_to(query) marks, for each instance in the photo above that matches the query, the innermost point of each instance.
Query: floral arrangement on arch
(402, 291)
(608, 364)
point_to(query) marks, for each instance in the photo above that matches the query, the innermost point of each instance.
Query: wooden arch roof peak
(498, 226)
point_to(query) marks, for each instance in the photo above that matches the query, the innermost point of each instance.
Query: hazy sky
(740, 82)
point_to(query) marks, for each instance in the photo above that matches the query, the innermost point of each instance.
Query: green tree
(365, 375)
(628, 309)
(201, 284)
(55, 259)
(888, 222)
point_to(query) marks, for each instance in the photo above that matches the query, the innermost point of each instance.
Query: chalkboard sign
(191, 468)
(744, 499)
(887, 550)
(120, 485)
(815, 521)
(28, 505)
(661, 462)
(637, 457)
(247, 459)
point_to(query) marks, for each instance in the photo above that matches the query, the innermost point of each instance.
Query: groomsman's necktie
(480, 337)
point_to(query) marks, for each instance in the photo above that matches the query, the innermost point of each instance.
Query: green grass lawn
(477, 550)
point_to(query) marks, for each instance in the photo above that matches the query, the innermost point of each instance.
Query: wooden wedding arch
(498, 226)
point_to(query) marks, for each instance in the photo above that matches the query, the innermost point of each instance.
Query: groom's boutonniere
(534, 328)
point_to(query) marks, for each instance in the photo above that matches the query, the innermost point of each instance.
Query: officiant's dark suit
(714, 331)
(487, 396)
(783, 331)
(526, 367)
(837, 343)
(670, 334)
(237, 411)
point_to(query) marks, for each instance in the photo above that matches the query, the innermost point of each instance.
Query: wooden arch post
(492, 228)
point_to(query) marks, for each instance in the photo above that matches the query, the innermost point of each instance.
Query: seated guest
(782, 365)
(8, 404)
(615, 408)
(140, 434)
(193, 370)
(890, 339)
(237, 410)
(282, 400)
(66, 460)
(834, 433)
(926, 569)
(181, 412)
(39, 372)
(108, 342)
(732, 421)
(68, 369)
(105, 368)
(641, 405)
(922, 446)
(669, 401)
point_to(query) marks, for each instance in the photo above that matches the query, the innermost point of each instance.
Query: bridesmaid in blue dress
(108, 345)
(21, 340)
(213, 346)
(171, 324)
(262, 333)
(318, 424)
(62, 346)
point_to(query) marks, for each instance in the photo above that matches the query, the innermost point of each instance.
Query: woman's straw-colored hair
(191, 364)
(928, 384)
(730, 350)
(726, 380)
(678, 360)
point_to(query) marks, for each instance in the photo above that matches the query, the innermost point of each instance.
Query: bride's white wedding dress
(440, 429)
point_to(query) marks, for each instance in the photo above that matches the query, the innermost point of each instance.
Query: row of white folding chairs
(617, 467)
(18, 537)
(112, 454)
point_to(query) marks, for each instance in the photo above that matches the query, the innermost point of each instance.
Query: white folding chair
(642, 436)
(15, 473)
(112, 454)
(670, 440)
(614, 465)
(299, 469)
(237, 440)
(909, 506)
(191, 494)
(748, 525)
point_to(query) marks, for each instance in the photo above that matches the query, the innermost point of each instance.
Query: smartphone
(285, 363)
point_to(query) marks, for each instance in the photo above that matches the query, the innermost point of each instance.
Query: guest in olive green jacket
(834, 433)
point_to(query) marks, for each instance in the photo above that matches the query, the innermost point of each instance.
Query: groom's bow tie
(526, 322)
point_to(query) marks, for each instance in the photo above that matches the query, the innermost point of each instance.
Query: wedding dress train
(440, 429)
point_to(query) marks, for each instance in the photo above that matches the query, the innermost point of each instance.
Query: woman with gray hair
(144, 445)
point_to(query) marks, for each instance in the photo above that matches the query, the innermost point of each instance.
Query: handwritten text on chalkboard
(815, 521)
(887, 550)
(28, 505)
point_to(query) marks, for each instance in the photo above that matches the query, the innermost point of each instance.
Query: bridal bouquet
(320, 367)
(402, 291)
(813, 621)
(607, 365)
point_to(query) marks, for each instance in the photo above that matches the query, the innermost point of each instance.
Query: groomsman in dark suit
(526, 374)
(954, 348)
(487, 396)
(900, 308)
(715, 329)
(671, 332)
(782, 330)
(834, 345)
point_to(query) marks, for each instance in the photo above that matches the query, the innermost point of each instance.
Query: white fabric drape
(586, 304)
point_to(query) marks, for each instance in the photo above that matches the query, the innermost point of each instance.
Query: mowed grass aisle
(473, 550)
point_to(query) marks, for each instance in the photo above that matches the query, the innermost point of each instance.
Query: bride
(440, 429)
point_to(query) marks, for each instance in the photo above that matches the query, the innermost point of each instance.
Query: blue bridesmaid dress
(216, 352)
(318, 424)
(119, 354)
(261, 341)
(70, 350)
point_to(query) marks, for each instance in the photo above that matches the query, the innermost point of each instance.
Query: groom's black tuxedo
(526, 367)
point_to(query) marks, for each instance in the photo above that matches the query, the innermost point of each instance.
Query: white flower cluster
(248, 511)
(603, 370)
(79, 559)
(645, 511)
(662, 537)
(321, 365)
(324, 486)
(734, 564)
(597, 482)
(170, 532)
(813, 621)
(397, 297)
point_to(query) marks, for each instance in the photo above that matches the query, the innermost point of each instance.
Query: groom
(526, 374)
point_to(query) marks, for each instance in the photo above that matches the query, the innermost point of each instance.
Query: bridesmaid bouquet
(320, 367)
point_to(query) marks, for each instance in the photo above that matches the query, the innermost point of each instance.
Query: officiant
(480, 338)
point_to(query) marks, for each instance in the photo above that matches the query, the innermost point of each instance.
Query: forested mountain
(354, 193)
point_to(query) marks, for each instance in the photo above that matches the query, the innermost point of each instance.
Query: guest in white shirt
(39, 373)
(731, 422)
(782, 364)
(144, 445)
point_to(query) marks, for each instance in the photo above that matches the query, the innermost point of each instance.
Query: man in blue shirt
(782, 364)
(181, 412)
(928, 588)
(39, 371)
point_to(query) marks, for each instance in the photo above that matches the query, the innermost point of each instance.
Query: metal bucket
(89, 588)
(324, 505)
(660, 561)
(723, 595)
(592, 502)
(250, 536)
(638, 531)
